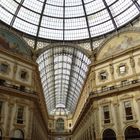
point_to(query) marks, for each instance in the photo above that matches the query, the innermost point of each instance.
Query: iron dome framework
(67, 20)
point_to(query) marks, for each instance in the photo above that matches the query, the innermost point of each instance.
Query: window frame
(122, 69)
(128, 111)
(102, 76)
(19, 117)
(108, 120)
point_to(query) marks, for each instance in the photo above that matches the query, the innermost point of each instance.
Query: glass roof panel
(5, 15)
(53, 11)
(62, 85)
(52, 23)
(55, 2)
(126, 16)
(76, 11)
(28, 16)
(89, 6)
(34, 5)
(69, 19)
(25, 26)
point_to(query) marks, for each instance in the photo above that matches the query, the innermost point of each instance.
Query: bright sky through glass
(68, 19)
(62, 71)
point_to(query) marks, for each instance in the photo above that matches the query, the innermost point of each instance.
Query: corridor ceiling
(63, 71)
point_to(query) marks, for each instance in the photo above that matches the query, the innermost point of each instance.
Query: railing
(15, 87)
(59, 131)
(115, 87)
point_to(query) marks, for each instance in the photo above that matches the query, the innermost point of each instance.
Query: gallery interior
(69, 69)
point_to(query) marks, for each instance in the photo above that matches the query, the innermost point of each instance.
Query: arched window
(132, 133)
(109, 134)
(18, 135)
(60, 124)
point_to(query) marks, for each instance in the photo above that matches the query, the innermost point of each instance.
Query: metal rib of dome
(68, 19)
(62, 71)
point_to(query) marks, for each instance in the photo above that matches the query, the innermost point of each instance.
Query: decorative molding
(105, 101)
(138, 61)
(126, 96)
(111, 69)
(132, 62)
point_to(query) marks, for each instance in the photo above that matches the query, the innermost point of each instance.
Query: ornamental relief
(132, 62)
(139, 61)
(111, 69)
(118, 44)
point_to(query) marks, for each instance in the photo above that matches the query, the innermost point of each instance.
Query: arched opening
(109, 134)
(18, 135)
(60, 124)
(0, 134)
(132, 133)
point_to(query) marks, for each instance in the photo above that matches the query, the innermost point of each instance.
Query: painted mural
(119, 44)
(13, 43)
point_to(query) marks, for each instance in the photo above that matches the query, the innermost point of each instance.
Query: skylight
(63, 71)
(68, 19)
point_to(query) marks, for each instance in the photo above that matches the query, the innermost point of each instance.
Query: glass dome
(68, 20)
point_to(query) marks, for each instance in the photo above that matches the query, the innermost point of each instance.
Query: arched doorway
(132, 133)
(109, 134)
(18, 135)
(60, 124)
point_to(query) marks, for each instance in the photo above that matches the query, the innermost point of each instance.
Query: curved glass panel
(62, 71)
(68, 19)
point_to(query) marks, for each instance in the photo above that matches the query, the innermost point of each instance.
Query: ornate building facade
(108, 107)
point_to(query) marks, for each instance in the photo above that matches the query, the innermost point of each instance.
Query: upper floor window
(60, 124)
(122, 69)
(20, 114)
(128, 110)
(106, 114)
(103, 75)
(23, 75)
(4, 67)
(69, 124)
